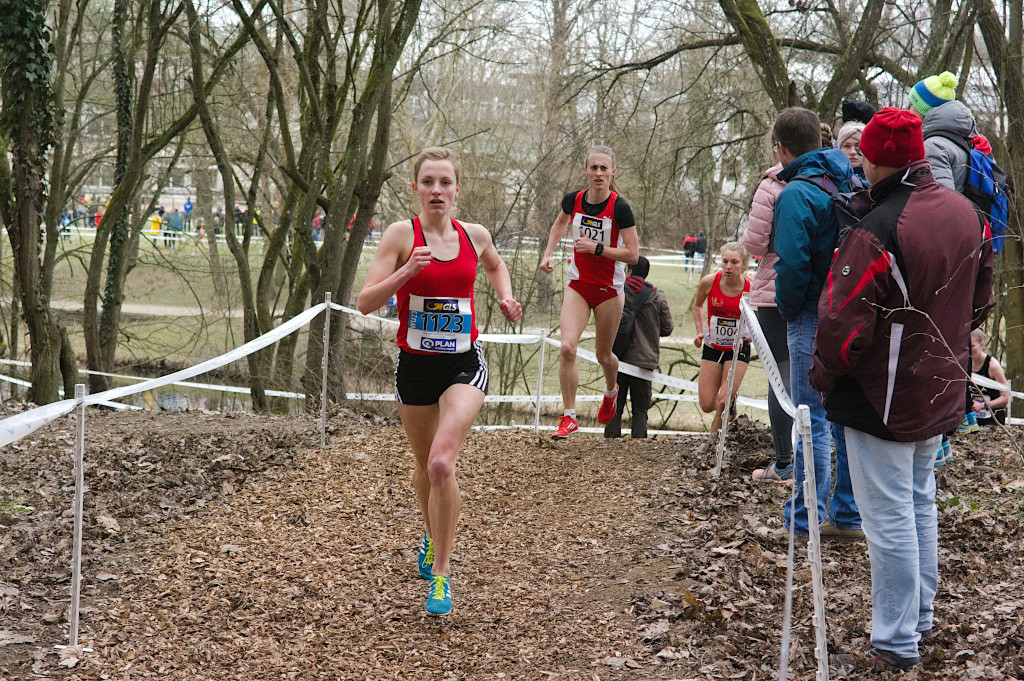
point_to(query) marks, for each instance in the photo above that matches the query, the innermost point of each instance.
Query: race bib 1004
(595, 229)
(439, 324)
(722, 331)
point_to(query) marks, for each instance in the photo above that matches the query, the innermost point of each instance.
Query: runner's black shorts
(723, 356)
(420, 380)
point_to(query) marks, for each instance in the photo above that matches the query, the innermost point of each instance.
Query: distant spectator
(317, 221)
(701, 247)
(689, 245)
(188, 213)
(155, 227)
(175, 225)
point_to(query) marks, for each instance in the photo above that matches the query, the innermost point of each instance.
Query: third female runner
(430, 262)
(604, 240)
(717, 330)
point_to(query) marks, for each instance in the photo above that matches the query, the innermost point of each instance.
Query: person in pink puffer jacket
(758, 240)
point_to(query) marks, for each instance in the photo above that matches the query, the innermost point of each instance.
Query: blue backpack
(986, 187)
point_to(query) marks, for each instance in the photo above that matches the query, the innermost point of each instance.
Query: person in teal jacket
(806, 234)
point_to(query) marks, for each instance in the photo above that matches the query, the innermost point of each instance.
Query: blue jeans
(842, 509)
(895, 482)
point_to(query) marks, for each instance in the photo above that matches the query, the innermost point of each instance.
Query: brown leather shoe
(830, 531)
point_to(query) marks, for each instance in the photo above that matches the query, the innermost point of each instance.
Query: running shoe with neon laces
(607, 411)
(439, 598)
(425, 559)
(965, 425)
(566, 426)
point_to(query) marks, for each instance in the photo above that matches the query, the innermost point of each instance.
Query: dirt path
(240, 551)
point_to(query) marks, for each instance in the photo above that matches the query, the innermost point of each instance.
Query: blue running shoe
(965, 425)
(972, 419)
(439, 598)
(425, 559)
(944, 455)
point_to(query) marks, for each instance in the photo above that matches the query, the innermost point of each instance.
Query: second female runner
(604, 240)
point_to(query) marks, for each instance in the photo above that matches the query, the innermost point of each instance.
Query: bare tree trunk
(1004, 45)
(239, 251)
(334, 257)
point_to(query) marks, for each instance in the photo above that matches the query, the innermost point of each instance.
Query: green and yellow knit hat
(934, 91)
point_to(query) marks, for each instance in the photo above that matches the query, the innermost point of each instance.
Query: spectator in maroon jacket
(906, 286)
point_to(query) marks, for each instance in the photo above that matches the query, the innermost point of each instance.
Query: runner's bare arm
(386, 275)
(699, 298)
(627, 253)
(496, 271)
(557, 232)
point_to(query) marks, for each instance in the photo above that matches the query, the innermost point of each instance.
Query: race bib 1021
(439, 324)
(595, 229)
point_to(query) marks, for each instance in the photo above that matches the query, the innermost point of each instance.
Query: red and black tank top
(602, 228)
(435, 307)
(723, 315)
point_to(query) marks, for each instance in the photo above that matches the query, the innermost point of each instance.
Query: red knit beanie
(892, 138)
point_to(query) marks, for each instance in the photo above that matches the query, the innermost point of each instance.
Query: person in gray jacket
(653, 320)
(947, 131)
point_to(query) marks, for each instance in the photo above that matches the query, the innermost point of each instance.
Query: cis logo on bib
(440, 305)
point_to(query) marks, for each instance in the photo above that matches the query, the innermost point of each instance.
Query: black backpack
(628, 320)
(849, 207)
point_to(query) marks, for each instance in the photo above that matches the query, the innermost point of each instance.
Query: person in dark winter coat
(653, 320)
(947, 131)
(907, 285)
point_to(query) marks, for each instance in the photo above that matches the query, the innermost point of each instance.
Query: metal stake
(323, 379)
(76, 556)
(540, 381)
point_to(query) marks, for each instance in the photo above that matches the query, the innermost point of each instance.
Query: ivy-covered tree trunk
(113, 295)
(29, 122)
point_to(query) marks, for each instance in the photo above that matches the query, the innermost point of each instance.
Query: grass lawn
(178, 284)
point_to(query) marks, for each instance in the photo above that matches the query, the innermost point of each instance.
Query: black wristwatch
(599, 249)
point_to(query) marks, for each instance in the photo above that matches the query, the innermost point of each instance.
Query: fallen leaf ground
(232, 547)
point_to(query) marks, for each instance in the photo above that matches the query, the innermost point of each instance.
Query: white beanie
(848, 130)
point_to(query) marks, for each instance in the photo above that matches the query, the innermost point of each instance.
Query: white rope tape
(18, 426)
(764, 353)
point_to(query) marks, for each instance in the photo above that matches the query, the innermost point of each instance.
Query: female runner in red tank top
(716, 331)
(604, 240)
(430, 262)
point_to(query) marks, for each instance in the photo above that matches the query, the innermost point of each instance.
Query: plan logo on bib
(439, 344)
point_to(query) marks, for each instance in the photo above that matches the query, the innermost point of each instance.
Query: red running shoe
(607, 411)
(566, 426)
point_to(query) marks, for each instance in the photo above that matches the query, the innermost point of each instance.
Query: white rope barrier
(801, 428)
(15, 427)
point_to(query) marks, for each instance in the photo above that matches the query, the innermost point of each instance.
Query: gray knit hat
(848, 130)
